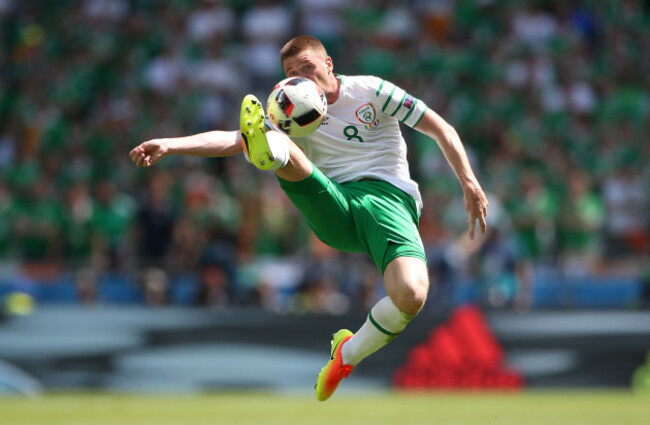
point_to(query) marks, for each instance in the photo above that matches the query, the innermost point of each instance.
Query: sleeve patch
(409, 101)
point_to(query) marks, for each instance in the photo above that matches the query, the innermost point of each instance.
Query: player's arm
(210, 144)
(434, 126)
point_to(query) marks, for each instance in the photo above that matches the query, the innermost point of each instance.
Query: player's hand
(476, 206)
(148, 153)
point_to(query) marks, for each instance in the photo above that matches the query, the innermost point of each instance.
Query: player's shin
(385, 321)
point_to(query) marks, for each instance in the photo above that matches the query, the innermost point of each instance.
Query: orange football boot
(334, 371)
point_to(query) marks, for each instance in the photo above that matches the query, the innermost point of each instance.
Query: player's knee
(407, 283)
(412, 297)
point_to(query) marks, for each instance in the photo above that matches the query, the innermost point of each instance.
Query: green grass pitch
(528, 408)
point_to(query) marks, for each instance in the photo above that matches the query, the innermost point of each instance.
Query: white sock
(279, 150)
(385, 321)
(279, 146)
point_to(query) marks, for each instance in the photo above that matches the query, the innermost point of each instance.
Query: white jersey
(360, 136)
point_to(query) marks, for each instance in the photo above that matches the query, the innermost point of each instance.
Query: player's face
(311, 65)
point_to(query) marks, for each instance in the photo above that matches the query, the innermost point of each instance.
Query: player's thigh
(324, 204)
(387, 222)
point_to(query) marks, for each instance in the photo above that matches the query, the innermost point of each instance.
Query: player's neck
(333, 94)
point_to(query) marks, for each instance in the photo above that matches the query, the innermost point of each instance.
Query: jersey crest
(367, 114)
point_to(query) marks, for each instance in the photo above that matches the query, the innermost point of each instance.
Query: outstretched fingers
(476, 206)
(480, 216)
(472, 225)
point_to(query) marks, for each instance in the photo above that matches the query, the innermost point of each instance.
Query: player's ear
(330, 64)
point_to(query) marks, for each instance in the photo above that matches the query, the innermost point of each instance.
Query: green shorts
(369, 216)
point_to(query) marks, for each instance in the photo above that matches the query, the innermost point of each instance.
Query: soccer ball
(296, 106)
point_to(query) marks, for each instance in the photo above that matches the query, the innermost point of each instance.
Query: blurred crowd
(550, 99)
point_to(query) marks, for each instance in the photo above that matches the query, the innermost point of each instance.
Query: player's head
(305, 56)
(301, 43)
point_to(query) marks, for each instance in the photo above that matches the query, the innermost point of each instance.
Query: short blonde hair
(301, 43)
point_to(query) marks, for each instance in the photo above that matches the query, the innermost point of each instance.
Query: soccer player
(350, 179)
